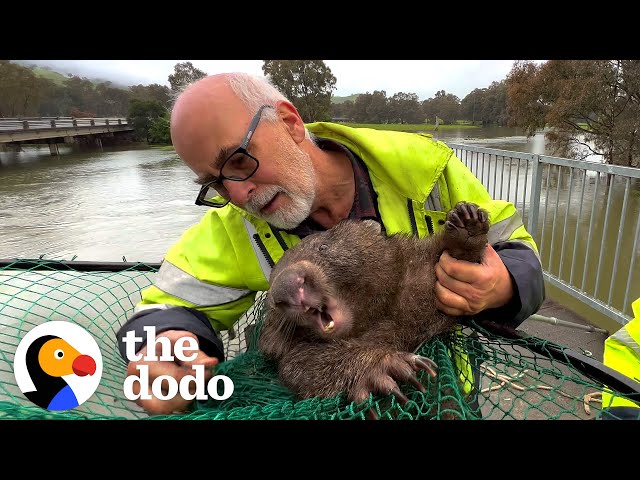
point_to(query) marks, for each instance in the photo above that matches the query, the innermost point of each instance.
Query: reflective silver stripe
(251, 231)
(433, 200)
(528, 245)
(180, 284)
(627, 340)
(428, 205)
(501, 231)
(161, 306)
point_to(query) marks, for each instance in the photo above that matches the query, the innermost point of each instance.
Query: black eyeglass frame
(200, 200)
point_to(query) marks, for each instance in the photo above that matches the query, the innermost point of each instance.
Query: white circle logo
(58, 365)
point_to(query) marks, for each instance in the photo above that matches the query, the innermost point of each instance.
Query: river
(103, 205)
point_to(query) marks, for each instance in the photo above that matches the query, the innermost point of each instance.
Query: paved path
(567, 398)
(574, 338)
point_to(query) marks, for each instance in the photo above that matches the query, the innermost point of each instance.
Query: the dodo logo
(58, 365)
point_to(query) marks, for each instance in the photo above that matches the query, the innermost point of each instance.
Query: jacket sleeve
(175, 318)
(525, 270)
(508, 236)
(201, 286)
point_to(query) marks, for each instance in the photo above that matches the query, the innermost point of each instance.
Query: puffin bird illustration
(48, 359)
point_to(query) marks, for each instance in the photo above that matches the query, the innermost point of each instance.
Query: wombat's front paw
(382, 377)
(467, 220)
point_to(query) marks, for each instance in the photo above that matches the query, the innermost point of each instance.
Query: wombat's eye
(322, 247)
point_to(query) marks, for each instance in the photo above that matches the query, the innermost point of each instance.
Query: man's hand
(465, 288)
(176, 369)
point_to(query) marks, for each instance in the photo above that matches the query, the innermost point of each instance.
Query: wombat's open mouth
(324, 320)
(320, 315)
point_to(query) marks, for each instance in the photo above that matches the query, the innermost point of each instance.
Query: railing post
(119, 122)
(106, 122)
(53, 123)
(75, 122)
(25, 124)
(92, 122)
(536, 189)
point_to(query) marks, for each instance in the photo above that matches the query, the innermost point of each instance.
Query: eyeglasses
(237, 167)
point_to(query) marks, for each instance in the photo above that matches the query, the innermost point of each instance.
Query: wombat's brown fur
(346, 307)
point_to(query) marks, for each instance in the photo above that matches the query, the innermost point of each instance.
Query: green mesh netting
(513, 381)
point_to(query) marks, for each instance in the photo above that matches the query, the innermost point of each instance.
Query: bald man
(270, 180)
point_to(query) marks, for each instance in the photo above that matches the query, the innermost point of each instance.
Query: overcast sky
(422, 77)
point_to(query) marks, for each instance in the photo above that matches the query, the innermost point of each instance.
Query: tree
(160, 131)
(56, 102)
(112, 101)
(405, 108)
(472, 105)
(22, 91)
(306, 83)
(486, 105)
(342, 110)
(157, 92)
(590, 106)
(360, 107)
(378, 108)
(184, 74)
(82, 93)
(372, 107)
(444, 105)
(142, 115)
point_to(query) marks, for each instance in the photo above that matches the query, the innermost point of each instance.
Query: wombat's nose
(288, 287)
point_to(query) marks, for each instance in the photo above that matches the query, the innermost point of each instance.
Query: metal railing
(584, 217)
(32, 123)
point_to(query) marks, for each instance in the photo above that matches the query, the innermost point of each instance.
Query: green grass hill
(55, 77)
(353, 97)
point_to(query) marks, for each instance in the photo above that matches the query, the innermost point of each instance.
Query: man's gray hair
(255, 91)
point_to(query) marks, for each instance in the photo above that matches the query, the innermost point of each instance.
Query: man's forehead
(230, 131)
(216, 109)
(218, 133)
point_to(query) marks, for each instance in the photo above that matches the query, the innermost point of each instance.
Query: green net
(510, 378)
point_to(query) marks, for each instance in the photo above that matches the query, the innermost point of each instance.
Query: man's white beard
(297, 205)
(294, 211)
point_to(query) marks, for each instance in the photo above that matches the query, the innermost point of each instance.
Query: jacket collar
(395, 158)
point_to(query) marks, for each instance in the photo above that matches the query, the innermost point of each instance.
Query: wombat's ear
(374, 226)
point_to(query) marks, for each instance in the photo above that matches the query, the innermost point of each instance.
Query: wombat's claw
(454, 220)
(469, 211)
(426, 364)
(399, 395)
(469, 217)
(416, 383)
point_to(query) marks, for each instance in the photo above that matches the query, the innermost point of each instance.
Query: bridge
(54, 130)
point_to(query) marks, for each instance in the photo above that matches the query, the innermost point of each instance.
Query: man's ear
(292, 120)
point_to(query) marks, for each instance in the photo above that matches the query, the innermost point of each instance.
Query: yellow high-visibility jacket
(622, 353)
(219, 264)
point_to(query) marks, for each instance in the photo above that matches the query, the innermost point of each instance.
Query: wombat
(347, 307)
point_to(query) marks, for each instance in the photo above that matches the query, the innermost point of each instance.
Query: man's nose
(239, 192)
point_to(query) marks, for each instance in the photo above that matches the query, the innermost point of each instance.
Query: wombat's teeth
(306, 309)
(329, 326)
